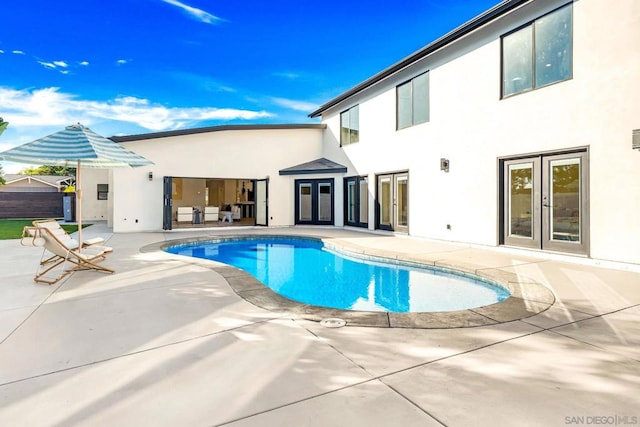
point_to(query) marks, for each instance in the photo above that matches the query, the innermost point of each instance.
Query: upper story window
(538, 54)
(350, 126)
(413, 102)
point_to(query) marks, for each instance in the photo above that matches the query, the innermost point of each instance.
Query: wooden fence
(31, 205)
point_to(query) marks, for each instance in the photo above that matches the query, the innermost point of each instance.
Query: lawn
(12, 228)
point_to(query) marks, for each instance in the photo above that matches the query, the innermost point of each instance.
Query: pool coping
(527, 297)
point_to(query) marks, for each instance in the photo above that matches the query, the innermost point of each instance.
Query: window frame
(314, 185)
(349, 113)
(534, 54)
(357, 182)
(103, 191)
(411, 82)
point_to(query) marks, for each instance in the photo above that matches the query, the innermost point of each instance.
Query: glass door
(545, 202)
(564, 203)
(262, 210)
(314, 201)
(356, 201)
(522, 202)
(401, 205)
(385, 202)
(305, 210)
(393, 202)
(351, 201)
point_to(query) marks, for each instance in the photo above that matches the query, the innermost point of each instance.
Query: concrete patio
(167, 341)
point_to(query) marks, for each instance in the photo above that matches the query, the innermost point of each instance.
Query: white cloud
(50, 107)
(1, 51)
(195, 13)
(84, 63)
(18, 52)
(56, 65)
(122, 61)
(49, 65)
(292, 104)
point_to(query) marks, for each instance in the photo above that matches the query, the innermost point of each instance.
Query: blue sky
(137, 66)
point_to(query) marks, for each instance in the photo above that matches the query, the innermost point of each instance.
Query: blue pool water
(305, 271)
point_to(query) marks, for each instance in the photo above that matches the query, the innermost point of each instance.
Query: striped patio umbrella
(75, 145)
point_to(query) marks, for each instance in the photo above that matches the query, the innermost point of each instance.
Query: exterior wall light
(444, 165)
(150, 176)
(635, 139)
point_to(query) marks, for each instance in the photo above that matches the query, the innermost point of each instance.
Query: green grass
(12, 228)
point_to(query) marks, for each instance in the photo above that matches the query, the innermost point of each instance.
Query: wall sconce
(444, 165)
(635, 139)
(150, 176)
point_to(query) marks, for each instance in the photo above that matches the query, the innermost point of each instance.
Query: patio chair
(55, 228)
(184, 214)
(211, 214)
(56, 253)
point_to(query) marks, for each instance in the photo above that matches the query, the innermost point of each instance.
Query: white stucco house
(516, 129)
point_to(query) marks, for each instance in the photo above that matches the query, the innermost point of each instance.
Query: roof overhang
(317, 166)
(181, 132)
(470, 26)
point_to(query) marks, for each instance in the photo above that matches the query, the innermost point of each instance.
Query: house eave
(194, 131)
(461, 31)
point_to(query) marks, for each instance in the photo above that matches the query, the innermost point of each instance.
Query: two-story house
(515, 129)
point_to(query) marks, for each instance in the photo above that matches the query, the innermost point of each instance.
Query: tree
(2, 181)
(49, 170)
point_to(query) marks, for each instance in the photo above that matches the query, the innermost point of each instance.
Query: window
(413, 102)
(103, 191)
(539, 54)
(350, 126)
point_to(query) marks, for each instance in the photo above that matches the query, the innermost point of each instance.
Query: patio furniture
(54, 227)
(184, 214)
(57, 254)
(211, 214)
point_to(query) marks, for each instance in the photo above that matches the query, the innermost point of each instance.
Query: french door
(393, 202)
(314, 201)
(356, 201)
(546, 202)
(262, 199)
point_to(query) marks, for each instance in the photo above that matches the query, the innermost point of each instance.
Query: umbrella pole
(79, 206)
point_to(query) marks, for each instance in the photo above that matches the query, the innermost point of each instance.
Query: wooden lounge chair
(63, 252)
(55, 227)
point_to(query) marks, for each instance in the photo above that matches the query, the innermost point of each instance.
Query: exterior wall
(472, 127)
(233, 154)
(92, 208)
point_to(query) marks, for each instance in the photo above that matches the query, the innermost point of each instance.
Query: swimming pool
(305, 270)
